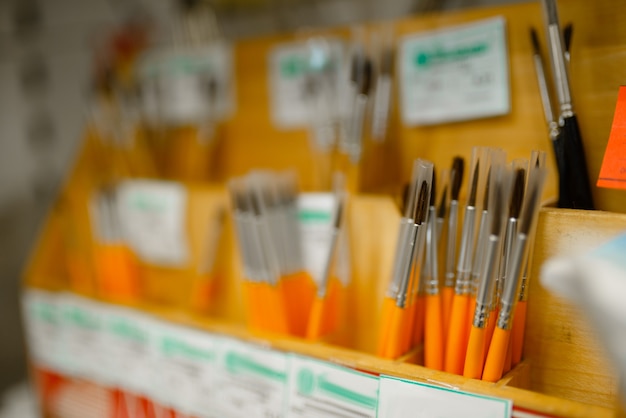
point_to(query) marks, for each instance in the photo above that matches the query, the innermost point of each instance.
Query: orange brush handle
(117, 273)
(519, 325)
(447, 294)
(275, 307)
(299, 294)
(419, 321)
(408, 330)
(397, 326)
(496, 355)
(315, 327)
(475, 358)
(255, 315)
(471, 307)
(385, 323)
(433, 333)
(508, 358)
(456, 347)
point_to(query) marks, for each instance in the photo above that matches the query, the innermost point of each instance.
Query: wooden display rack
(564, 372)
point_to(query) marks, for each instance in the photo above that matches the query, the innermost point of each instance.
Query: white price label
(304, 78)
(129, 340)
(400, 398)
(153, 216)
(455, 74)
(186, 364)
(83, 321)
(251, 381)
(319, 389)
(188, 85)
(44, 329)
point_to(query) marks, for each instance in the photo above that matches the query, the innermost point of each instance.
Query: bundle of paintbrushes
(574, 185)
(282, 297)
(453, 309)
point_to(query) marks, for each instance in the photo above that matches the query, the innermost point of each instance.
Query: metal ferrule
(523, 289)
(356, 128)
(484, 296)
(505, 316)
(244, 244)
(267, 251)
(259, 263)
(402, 246)
(509, 238)
(439, 228)
(543, 89)
(432, 281)
(276, 235)
(511, 286)
(321, 290)
(481, 315)
(451, 247)
(382, 104)
(553, 130)
(559, 67)
(464, 267)
(294, 233)
(406, 268)
(418, 258)
(479, 253)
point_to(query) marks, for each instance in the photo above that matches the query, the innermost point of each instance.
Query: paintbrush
(475, 356)
(447, 293)
(398, 327)
(578, 175)
(554, 132)
(500, 341)
(458, 330)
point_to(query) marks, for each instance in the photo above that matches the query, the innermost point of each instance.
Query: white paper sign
(301, 74)
(250, 382)
(315, 213)
(153, 216)
(319, 389)
(400, 398)
(455, 74)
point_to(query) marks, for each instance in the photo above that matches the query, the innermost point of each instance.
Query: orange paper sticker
(613, 170)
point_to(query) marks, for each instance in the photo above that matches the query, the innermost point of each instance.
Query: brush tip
(458, 165)
(535, 41)
(441, 211)
(518, 193)
(474, 189)
(421, 208)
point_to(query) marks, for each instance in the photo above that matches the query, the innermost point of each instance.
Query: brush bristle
(421, 208)
(496, 217)
(472, 197)
(433, 188)
(486, 196)
(365, 83)
(529, 210)
(518, 194)
(441, 211)
(567, 36)
(535, 41)
(456, 176)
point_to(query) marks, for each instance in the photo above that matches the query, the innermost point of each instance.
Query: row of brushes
(453, 318)
(281, 296)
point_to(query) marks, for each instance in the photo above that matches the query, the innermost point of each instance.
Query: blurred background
(47, 51)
